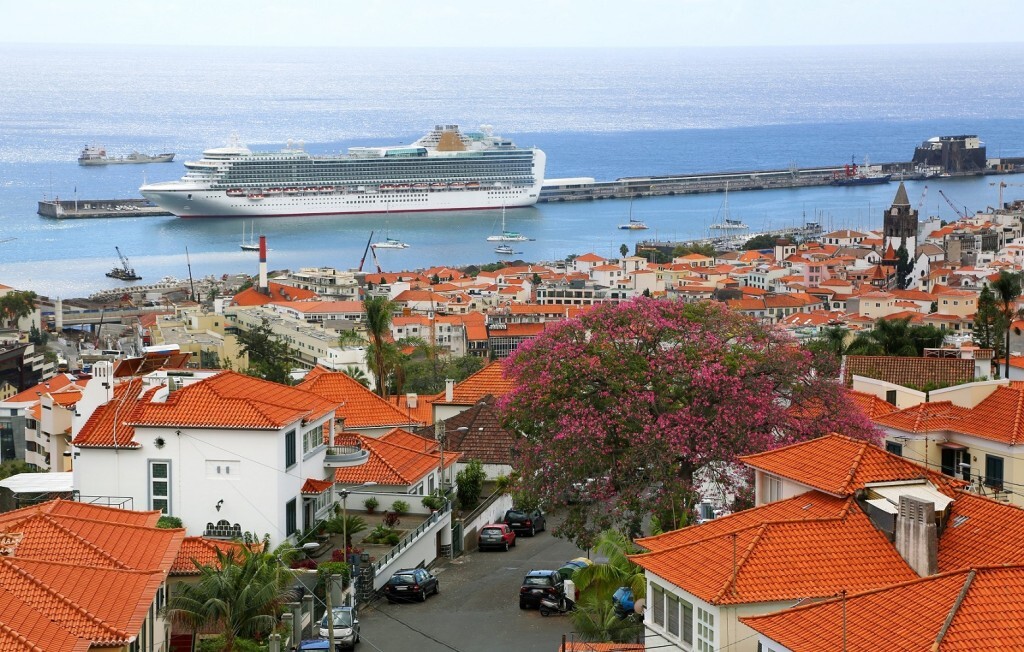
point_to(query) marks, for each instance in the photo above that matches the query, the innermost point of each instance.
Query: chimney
(410, 400)
(449, 390)
(917, 538)
(263, 288)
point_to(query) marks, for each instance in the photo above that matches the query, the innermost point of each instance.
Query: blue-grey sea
(597, 113)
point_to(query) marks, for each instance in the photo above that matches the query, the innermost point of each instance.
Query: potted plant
(400, 507)
(371, 504)
(433, 503)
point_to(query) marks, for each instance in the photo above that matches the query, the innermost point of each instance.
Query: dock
(90, 208)
(727, 243)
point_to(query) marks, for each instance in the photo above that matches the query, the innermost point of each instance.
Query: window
(687, 621)
(312, 438)
(289, 449)
(894, 447)
(290, 518)
(772, 488)
(672, 614)
(705, 631)
(160, 486)
(658, 597)
(890, 396)
(994, 472)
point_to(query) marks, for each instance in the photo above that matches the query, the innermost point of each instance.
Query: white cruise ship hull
(197, 202)
(443, 171)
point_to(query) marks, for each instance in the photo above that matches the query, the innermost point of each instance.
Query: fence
(411, 544)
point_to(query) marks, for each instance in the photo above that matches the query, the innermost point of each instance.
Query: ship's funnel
(263, 265)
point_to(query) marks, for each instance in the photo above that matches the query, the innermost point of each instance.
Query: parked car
(623, 601)
(346, 627)
(411, 584)
(497, 536)
(525, 521)
(539, 584)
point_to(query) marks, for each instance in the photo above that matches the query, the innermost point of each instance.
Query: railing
(123, 502)
(411, 537)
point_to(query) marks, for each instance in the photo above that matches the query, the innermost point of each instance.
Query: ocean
(597, 113)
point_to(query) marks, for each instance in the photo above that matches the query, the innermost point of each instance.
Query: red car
(498, 536)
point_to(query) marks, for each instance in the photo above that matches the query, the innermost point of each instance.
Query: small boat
(326, 188)
(125, 272)
(274, 191)
(387, 186)
(457, 185)
(727, 223)
(473, 184)
(419, 186)
(506, 236)
(632, 224)
(251, 244)
(234, 192)
(390, 243)
(291, 191)
(853, 175)
(504, 249)
(255, 195)
(439, 186)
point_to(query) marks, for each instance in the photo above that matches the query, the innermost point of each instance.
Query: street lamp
(344, 492)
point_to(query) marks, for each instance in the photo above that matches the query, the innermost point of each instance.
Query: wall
(967, 395)
(905, 397)
(421, 552)
(492, 513)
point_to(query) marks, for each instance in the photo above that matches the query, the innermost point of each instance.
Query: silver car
(346, 627)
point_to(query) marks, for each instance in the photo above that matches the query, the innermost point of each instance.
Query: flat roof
(38, 482)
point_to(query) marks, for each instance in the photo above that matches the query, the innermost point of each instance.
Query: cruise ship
(446, 170)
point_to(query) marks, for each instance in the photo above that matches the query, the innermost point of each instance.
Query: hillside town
(146, 443)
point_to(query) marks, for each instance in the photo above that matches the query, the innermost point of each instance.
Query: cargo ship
(854, 175)
(93, 155)
(445, 170)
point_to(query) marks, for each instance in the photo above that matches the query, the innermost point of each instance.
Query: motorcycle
(556, 606)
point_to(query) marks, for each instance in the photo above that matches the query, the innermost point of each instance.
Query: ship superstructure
(443, 171)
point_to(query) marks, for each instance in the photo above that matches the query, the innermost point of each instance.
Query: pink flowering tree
(623, 408)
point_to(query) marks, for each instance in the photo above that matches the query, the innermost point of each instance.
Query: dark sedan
(525, 521)
(411, 584)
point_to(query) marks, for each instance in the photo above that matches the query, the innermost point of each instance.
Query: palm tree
(381, 355)
(594, 617)
(240, 595)
(889, 337)
(1007, 289)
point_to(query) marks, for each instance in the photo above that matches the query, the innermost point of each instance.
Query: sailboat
(251, 244)
(506, 236)
(504, 249)
(727, 224)
(633, 224)
(388, 242)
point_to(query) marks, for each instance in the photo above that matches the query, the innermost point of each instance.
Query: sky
(510, 23)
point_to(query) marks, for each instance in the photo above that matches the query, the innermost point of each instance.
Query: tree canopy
(622, 408)
(16, 304)
(896, 337)
(269, 357)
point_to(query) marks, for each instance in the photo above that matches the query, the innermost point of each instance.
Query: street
(478, 606)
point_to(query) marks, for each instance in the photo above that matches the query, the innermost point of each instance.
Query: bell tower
(899, 224)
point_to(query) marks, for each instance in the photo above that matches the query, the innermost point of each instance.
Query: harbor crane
(1003, 184)
(960, 214)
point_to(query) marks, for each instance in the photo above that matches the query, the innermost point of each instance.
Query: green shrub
(400, 507)
(433, 502)
(371, 504)
(169, 522)
(332, 568)
(470, 482)
(393, 539)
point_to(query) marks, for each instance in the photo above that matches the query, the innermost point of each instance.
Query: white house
(229, 454)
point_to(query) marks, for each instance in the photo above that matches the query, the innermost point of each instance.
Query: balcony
(340, 456)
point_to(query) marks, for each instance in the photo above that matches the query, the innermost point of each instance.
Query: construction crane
(363, 259)
(1003, 184)
(924, 193)
(960, 214)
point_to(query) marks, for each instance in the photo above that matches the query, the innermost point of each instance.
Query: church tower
(899, 224)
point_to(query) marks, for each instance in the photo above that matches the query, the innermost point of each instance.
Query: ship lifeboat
(255, 195)
(473, 184)
(234, 192)
(386, 186)
(419, 186)
(438, 186)
(291, 191)
(326, 188)
(274, 191)
(458, 185)
(402, 186)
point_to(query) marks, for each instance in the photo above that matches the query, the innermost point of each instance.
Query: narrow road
(478, 607)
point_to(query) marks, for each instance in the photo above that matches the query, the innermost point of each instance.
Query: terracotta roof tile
(202, 551)
(108, 425)
(360, 407)
(26, 629)
(488, 381)
(842, 465)
(910, 616)
(925, 417)
(314, 487)
(233, 400)
(275, 292)
(785, 560)
(981, 531)
(399, 458)
(871, 405)
(483, 438)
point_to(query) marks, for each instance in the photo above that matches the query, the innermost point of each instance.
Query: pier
(89, 208)
(726, 243)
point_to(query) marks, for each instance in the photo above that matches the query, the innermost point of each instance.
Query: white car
(346, 627)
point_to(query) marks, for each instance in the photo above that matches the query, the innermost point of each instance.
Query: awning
(921, 490)
(952, 445)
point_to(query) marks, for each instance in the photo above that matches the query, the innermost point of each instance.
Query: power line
(418, 631)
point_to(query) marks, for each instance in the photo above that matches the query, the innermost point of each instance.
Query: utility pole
(330, 612)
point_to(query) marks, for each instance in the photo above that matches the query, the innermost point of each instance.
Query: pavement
(478, 605)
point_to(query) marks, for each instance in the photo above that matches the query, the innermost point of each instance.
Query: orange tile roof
(314, 487)
(784, 560)
(276, 292)
(871, 405)
(422, 413)
(202, 551)
(984, 606)
(842, 465)
(108, 426)
(581, 646)
(810, 505)
(399, 458)
(999, 417)
(59, 381)
(26, 629)
(488, 381)
(925, 417)
(233, 400)
(76, 509)
(360, 407)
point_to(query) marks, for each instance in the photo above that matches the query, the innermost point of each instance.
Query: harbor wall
(85, 208)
